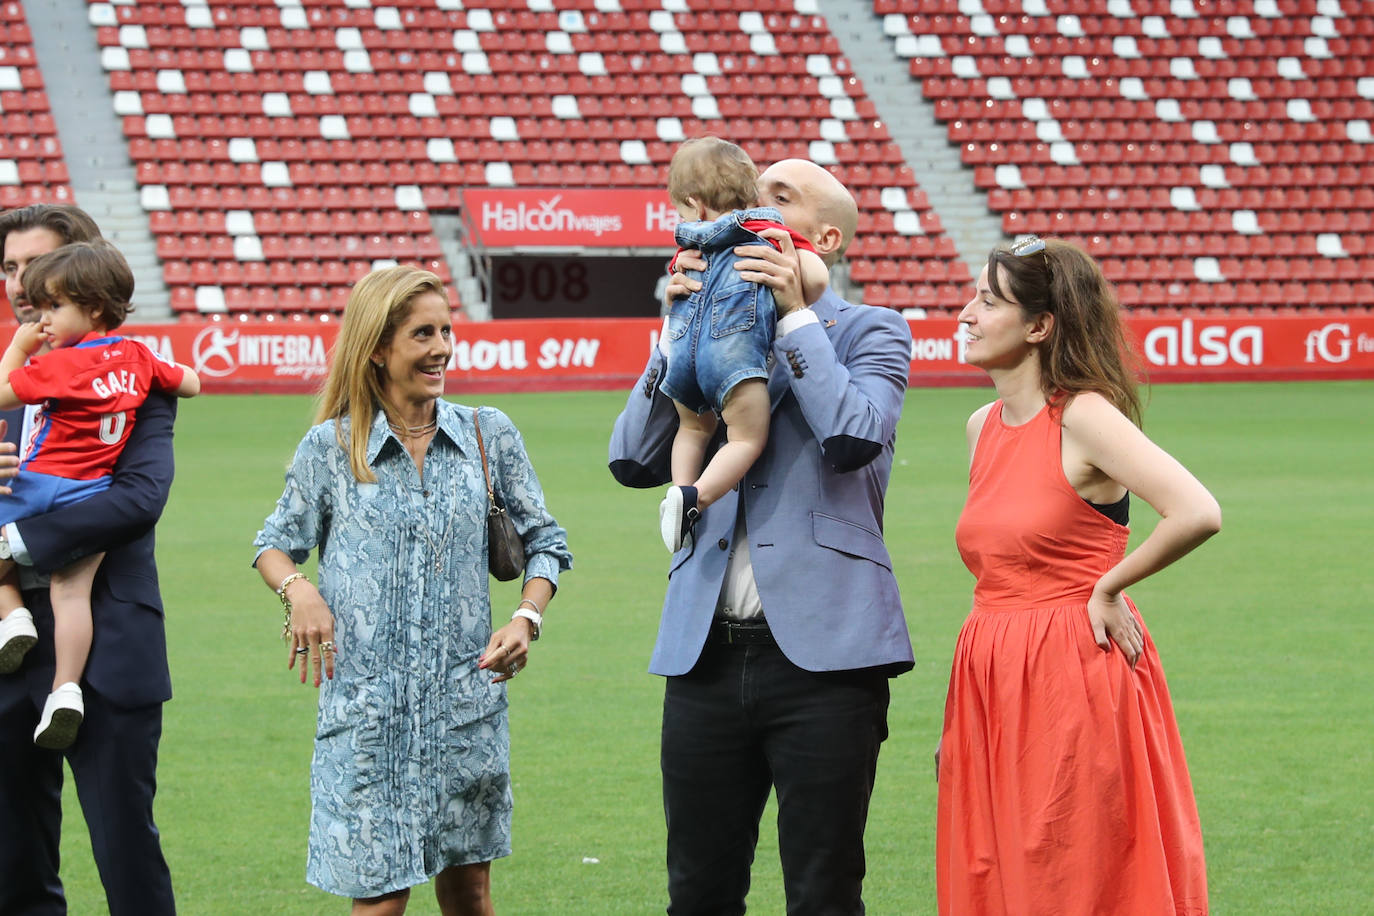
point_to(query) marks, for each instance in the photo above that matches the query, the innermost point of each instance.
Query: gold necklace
(413, 432)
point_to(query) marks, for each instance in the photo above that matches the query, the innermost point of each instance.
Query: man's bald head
(813, 202)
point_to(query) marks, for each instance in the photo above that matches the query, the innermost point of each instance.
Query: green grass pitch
(1266, 633)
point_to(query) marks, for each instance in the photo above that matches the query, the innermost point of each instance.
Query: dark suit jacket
(128, 661)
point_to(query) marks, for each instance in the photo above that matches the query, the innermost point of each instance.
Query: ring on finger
(303, 650)
(514, 668)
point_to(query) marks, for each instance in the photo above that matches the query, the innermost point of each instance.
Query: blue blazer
(128, 661)
(813, 502)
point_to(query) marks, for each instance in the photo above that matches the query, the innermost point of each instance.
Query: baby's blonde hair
(715, 173)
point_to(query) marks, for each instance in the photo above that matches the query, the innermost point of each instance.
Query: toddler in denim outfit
(717, 339)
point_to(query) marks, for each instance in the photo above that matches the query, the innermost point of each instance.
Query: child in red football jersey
(91, 384)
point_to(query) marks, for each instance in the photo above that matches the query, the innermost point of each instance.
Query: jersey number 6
(112, 427)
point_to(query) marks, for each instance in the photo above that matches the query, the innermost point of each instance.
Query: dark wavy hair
(1087, 349)
(70, 224)
(93, 275)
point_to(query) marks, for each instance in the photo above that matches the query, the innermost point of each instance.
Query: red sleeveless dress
(1063, 787)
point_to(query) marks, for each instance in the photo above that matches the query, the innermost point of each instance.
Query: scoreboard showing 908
(525, 286)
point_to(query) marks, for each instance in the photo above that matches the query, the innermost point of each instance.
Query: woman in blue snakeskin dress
(410, 777)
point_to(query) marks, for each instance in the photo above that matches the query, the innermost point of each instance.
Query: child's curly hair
(93, 275)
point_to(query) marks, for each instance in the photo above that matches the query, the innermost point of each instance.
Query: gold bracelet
(286, 602)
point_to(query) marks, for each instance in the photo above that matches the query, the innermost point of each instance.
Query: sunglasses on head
(1033, 244)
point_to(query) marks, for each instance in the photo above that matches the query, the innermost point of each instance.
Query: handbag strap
(482, 449)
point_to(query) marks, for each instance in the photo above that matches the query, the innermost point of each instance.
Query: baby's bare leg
(71, 610)
(10, 597)
(694, 431)
(745, 413)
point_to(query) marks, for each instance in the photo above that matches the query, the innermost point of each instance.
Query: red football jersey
(89, 394)
(756, 225)
(798, 240)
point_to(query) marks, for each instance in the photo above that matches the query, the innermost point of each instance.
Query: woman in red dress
(1063, 786)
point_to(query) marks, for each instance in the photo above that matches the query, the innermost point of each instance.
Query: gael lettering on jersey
(121, 382)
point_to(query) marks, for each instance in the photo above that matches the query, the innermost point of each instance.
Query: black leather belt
(741, 632)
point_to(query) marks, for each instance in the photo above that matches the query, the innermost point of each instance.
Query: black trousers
(745, 720)
(113, 762)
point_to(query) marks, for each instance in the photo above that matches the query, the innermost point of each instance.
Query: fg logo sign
(1330, 343)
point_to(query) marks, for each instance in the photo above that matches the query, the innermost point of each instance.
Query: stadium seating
(1214, 153)
(319, 134)
(32, 169)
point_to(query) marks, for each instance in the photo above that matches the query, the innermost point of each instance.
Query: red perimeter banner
(551, 355)
(556, 217)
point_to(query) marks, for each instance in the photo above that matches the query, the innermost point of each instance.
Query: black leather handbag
(505, 550)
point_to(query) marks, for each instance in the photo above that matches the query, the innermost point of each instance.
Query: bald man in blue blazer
(782, 621)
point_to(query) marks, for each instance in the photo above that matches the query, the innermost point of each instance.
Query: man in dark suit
(782, 621)
(114, 758)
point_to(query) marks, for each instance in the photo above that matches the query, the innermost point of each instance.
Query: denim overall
(720, 335)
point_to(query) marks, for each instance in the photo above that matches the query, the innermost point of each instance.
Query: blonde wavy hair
(379, 304)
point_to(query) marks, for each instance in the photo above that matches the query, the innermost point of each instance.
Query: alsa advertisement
(570, 354)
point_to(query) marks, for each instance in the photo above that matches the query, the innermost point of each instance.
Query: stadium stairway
(102, 175)
(449, 233)
(922, 138)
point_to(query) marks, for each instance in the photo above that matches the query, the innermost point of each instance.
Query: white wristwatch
(535, 618)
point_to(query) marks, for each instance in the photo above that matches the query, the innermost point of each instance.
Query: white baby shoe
(677, 515)
(62, 716)
(17, 636)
